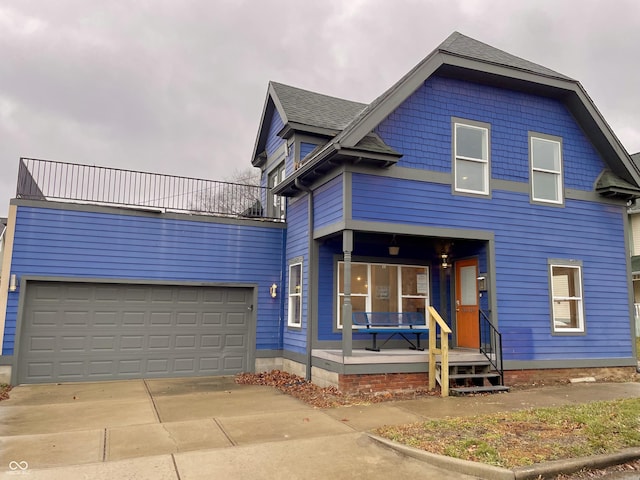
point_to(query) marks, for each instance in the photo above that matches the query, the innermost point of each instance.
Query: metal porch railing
(76, 183)
(491, 344)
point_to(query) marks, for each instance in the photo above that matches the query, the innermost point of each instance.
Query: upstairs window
(471, 158)
(295, 295)
(545, 158)
(275, 203)
(566, 298)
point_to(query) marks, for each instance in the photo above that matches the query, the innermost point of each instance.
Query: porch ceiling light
(394, 249)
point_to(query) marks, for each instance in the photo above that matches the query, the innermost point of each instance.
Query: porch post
(347, 248)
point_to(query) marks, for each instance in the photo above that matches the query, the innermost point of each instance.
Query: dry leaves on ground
(320, 397)
(4, 391)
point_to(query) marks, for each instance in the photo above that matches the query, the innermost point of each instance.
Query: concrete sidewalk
(212, 428)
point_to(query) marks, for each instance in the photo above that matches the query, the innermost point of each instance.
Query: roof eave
(328, 160)
(292, 127)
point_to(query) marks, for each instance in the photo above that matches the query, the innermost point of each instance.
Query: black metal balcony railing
(59, 181)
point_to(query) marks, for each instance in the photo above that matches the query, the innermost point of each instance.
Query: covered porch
(445, 275)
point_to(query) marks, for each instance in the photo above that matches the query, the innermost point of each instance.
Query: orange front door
(468, 334)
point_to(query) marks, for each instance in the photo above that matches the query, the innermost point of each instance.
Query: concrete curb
(490, 472)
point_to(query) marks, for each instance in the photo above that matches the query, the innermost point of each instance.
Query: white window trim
(368, 295)
(294, 297)
(276, 203)
(559, 177)
(484, 161)
(581, 323)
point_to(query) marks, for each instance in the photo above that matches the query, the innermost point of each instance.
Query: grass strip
(526, 437)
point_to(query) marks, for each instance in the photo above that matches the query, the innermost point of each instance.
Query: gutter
(311, 261)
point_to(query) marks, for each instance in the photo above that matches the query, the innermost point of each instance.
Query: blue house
(481, 189)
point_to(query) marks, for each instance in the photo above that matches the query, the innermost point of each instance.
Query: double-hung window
(471, 158)
(379, 287)
(294, 318)
(566, 297)
(545, 159)
(275, 203)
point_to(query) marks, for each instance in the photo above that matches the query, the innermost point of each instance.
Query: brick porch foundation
(383, 382)
(407, 382)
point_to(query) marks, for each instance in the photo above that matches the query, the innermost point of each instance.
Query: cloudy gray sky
(178, 86)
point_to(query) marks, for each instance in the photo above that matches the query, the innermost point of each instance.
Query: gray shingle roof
(461, 45)
(310, 108)
(373, 143)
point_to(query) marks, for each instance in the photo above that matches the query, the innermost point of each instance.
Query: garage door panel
(105, 319)
(234, 341)
(44, 318)
(213, 296)
(236, 319)
(42, 344)
(187, 318)
(135, 319)
(79, 294)
(159, 365)
(73, 343)
(132, 331)
(212, 318)
(237, 297)
(103, 343)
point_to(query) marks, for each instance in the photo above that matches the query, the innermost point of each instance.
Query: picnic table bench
(392, 323)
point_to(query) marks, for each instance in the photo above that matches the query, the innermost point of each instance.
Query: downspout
(311, 263)
(283, 267)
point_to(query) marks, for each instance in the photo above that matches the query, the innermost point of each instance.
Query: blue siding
(328, 203)
(60, 243)
(295, 339)
(306, 149)
(526, 236)
(273, 140)
(421, 129)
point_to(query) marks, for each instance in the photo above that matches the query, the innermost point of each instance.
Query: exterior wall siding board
(328, 203)
(69, 243)
(306, 149)
(526, 236)
(295, 339)
(420, 128)
(273, 140)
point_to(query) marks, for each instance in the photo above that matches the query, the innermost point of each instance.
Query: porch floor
(367, 357)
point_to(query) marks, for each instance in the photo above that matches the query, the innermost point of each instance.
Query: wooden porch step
(482, 389)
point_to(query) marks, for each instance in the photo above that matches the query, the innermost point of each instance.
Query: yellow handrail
(434, 317)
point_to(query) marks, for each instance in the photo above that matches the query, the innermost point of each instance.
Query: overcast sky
(178, 86)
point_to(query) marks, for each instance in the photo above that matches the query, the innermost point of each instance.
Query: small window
(566, 298)
(276, 203)
(295, 295)
(546, 170)
(471, 154)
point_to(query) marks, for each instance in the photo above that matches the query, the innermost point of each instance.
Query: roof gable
(305, 111)
(462, 57)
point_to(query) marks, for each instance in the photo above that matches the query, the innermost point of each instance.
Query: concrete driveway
(195, 428)
(203, 428)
